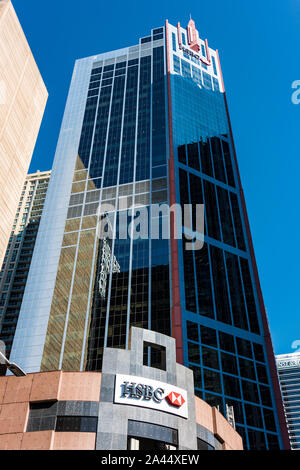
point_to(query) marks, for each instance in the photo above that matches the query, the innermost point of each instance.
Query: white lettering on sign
(290, 363)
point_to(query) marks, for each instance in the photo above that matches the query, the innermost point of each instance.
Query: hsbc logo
(175, 399)
(194, 43)
(147, 393)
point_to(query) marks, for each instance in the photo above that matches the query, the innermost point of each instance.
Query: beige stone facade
(23, 98)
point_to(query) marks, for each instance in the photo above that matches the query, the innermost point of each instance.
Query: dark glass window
(189, 278)
(250, 391)
(265, 395)
(243, 434)
(269, 419)
(220, 285)
(207, 81)
(244, 347)
(237, 409)
(214, 65)
(212, 381)
(253, 416)
(147, 39)
(205, 301)
(214, 400)
(182, 154)
(121, 65)
(211, 211)
(199, 394)
(231, 386)
(228, 163)
(186, 69)
(226, 342)
(225, 215)
(193, 156)
(262, 373)
(247, 369)
(209, 336)
(42, 416)
(196, 197)
(229, 363)
(97, 71)
(76, 424)
(202, 445)
(107, 68)
(218, 159)
(194, 353)
(257, 440)
(210, 358)
(158, 30)
(259, 352)
(176, 63)
(174, 42)
(248, 288)
(237, 221)
(206, 163)
(184, 188)
(273, 442)
(236, 292)
(192, 331)
(133, 62)
(197, 376)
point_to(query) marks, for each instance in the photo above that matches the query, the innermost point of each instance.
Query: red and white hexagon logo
(175, 399)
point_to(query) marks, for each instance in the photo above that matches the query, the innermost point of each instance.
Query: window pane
(210, 358)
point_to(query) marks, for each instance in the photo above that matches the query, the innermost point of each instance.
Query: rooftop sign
(288, 363)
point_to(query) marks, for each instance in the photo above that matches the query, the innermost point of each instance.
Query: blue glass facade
(223, 336)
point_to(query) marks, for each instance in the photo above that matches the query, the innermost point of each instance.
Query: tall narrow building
(18, 256)
(23, 98)
(146, 125)
(288, 366)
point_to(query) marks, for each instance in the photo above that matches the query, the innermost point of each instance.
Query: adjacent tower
(18, 256)
(23, 98)
(145, 125)
(288, 366)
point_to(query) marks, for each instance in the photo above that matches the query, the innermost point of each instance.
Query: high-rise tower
(18, 256)
(23, 98)
(288, 366)
(148, 125)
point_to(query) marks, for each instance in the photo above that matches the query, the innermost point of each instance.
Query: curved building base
(130, 405)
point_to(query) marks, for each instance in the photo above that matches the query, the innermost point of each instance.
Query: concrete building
(288, 366)
(148, 125)
(19, 252)
(23, 98)
(128, 406)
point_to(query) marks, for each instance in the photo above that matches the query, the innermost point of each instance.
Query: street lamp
(16, 370)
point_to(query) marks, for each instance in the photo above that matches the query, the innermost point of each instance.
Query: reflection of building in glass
(106, 260)
(15, 269)
(288, 366)
(149, 123)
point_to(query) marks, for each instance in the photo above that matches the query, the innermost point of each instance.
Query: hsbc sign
(147, 393)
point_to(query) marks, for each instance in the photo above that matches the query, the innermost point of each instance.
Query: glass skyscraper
(148, 125)
(288, 366)
(16, 264)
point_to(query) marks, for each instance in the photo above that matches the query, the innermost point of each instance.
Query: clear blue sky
(259, 44)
